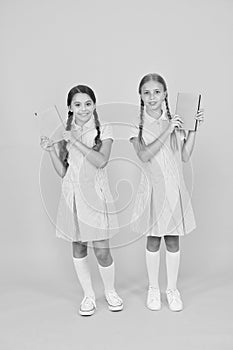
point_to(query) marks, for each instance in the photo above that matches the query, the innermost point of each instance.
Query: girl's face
(153, 95)
(82, 107)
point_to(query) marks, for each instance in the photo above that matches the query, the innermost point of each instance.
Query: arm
(189, 142)
(146, 152)
(98, 158)
(188, 145)
(48, 146)
(57, 163)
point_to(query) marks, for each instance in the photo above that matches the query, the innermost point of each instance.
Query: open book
(51, 124)
(187, 105)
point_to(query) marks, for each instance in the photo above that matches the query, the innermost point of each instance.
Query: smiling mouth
(152, 103)
(84, 114)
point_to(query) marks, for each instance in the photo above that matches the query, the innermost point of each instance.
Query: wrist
(170, 128)
(73, 141)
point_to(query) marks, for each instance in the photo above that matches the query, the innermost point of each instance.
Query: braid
(69, 121)
(173, 140)
(98, 142)
(168, 109)
(63, 152)
(141, 121)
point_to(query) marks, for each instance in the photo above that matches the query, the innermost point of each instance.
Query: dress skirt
(86, 210)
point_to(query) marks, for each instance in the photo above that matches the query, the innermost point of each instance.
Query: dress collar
(90, 124)
(153, 120)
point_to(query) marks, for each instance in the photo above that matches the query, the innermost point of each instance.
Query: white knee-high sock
(108, 276)
(173, 263)
(152, 263)
(83, 273)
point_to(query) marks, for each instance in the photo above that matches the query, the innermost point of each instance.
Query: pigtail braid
(173, 139)
(167, 108)
(63, 152)
(98, 142)
(141, 121)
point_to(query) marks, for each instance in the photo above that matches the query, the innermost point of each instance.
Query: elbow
(185, 157)
(63, 172)
(102, 164)
(143, 156)
(144, 159)
(185, 160)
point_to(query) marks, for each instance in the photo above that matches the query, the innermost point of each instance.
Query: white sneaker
(174, 300)
(115, 303)
(153, 299)
(88, 306)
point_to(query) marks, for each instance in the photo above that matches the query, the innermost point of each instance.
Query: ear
(165, 95)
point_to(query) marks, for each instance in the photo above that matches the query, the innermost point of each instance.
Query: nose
(152, 96)
(83, 107)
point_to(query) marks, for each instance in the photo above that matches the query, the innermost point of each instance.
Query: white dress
(163, 205)
(86, 210)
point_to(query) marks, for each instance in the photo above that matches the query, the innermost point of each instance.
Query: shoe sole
(86, 313)
(174, 310)
(115, 308)
(158, 309)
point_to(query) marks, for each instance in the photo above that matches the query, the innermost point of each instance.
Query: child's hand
(46, 144)
(200, 116)
(175, 122)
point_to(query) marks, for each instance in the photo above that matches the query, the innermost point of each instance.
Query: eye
(157, 92)
(89, 104)
(146, 92)
(77, 104)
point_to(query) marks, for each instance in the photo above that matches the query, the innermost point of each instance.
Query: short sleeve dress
(163, 205)
(86, 210)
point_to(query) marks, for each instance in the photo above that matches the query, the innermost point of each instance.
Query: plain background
(50, 46)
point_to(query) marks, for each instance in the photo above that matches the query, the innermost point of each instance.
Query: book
(187, 105)
(51, 124)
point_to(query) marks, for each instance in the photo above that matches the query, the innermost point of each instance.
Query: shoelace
(174, 294)
(154, 293)
(88, 300)
(113, 297)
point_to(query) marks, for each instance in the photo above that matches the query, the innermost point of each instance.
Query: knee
(172, 243)
(79, 250)
(103, 256)
(153, 243)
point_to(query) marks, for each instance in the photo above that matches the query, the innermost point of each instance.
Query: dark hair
(83, 89)
(157, 78)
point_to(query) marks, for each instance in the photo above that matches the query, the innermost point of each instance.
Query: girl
(163, 207)
(84, 210)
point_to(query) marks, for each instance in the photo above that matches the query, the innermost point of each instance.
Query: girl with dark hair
(163, 207)
(86, 212)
